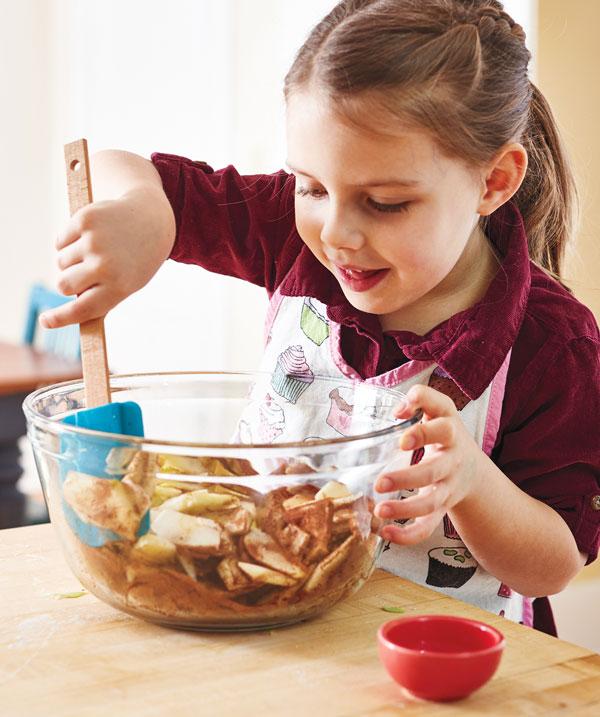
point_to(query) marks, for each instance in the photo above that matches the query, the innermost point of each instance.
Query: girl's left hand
(446, 475)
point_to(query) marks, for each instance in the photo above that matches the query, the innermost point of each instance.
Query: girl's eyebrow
(396, 182)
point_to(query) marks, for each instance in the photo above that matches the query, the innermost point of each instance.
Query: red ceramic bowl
(440, 657)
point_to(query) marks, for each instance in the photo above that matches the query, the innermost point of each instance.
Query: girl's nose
(340, 232)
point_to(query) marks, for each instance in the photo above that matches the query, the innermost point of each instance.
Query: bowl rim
(55, 426)
(382, 636)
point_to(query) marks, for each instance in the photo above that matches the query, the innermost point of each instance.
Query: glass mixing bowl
(239, 508)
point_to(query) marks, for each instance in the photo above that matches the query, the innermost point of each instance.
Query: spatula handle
(93, 341)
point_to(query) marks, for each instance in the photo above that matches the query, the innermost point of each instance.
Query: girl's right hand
(108, 250)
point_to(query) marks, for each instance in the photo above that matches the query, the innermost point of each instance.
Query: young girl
(416, 243)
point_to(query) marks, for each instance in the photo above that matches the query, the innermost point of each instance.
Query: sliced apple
(142, 472)
(328, 565)
(333, 489)
(347, 500)
(315, 518)
(265, 550)
(295, 539)
(197, 502)
(193, 532)
(182, 465)
(105, 502)
(187, 563)
(237, 522)
(261, 574)
(154, 549)
(231, 575)
(296, 500)
(163, 493)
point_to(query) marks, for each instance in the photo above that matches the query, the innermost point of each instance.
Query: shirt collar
(469, 346)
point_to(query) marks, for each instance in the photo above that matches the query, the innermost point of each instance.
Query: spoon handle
(93, 341)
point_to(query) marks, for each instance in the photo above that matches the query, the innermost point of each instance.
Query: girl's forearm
(518, 539)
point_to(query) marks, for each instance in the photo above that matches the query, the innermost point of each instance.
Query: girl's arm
(238, 225)
(112, 247)
(116, 173)
(518, 539)
(515, 537)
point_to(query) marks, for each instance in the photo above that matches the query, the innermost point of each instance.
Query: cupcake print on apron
(450, 567)
(292, 375)
(313, 323)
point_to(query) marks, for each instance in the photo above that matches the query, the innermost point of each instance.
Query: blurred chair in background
(44, 357)
(62, 342)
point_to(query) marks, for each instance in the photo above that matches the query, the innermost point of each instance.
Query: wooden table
(82, 658)
(22, 370)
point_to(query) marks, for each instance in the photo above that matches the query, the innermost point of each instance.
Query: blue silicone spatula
(87, 453)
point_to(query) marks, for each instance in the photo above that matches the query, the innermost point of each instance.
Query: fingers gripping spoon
(87, 458)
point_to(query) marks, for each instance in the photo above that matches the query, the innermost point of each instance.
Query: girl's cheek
(308, 226)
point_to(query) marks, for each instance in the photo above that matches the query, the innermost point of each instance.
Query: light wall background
(569, 59)
(201, 78)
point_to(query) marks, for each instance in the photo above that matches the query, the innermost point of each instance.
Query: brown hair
(459, 69)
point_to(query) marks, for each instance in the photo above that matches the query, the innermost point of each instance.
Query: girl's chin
(362, 303)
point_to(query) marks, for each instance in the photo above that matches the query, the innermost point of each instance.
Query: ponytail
(547, 199)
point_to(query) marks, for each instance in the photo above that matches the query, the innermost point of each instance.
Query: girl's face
(391, 217)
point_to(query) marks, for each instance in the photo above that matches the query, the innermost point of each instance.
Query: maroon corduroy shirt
(548, 440)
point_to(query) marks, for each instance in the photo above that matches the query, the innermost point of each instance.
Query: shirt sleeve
(552, 448)
(241, 226)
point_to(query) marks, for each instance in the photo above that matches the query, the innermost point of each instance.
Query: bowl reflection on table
(238, 509)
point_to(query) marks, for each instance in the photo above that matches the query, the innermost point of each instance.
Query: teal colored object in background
(64, 341)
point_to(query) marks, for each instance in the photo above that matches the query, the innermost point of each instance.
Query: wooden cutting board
(76, 656)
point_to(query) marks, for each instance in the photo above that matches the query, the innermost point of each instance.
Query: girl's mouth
(360, 279)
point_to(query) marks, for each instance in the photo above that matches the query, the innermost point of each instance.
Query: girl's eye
(314, 193)
(378, 206)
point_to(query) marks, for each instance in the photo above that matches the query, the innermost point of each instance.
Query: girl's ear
(503, 177)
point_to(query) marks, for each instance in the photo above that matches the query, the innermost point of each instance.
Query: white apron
(302, 342)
